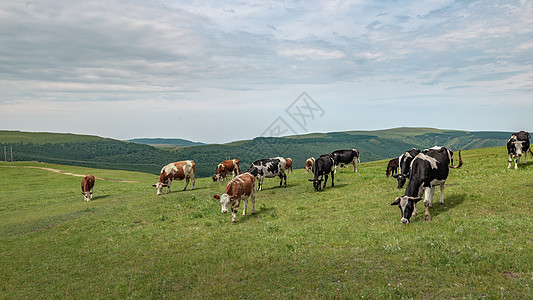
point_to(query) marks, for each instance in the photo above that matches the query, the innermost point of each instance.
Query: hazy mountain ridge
(165, 142)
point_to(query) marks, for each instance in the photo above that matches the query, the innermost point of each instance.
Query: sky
(221, 71)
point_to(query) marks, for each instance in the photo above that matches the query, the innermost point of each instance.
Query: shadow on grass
(95, 197)
(259, 213)
(450, 202)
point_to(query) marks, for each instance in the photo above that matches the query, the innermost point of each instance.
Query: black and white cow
(323, 165)
(345, 157)
(405, 165)
(269, 168)
(428, 169)
(517, 145)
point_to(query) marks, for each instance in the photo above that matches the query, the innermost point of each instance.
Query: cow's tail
(460, 162)
(531, 152)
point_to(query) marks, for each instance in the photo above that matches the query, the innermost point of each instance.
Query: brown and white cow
(87, 184)
(392, 167)
(239, 188)
(176, 171)
(288, 164)
(225, 167)
(309, 164)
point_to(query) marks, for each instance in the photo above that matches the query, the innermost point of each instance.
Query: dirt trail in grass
(66, 173)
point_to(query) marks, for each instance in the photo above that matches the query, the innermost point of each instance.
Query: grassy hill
(342, 242)
(96, 152)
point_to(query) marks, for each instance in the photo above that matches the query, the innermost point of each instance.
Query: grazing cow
(176, 171)
(392, 167)
(404, 163)
(428, 169)
(87, 184)
(288, 164)
(239, 188)
(517, 145)
(309, 164)
(269, 168)
(345, 157)
(323, 165)
(225, 167)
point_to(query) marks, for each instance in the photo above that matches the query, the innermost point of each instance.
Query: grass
(342, 242)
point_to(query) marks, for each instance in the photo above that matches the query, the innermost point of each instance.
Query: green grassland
(44, 137)
(342, 242)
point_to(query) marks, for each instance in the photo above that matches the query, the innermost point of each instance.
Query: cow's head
(217, 177)
(159, 186)
(401, 179)
(316, 183)
(225, 201)
(518, 148)
(86, 196)
(407, 206)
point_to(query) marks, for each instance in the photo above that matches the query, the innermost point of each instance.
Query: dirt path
(66, 173)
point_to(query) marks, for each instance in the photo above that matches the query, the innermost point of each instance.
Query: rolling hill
(92, 151)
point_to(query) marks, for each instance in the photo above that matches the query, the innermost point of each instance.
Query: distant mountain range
(141, 155)
(165, 143)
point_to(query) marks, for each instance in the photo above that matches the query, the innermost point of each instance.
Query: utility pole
(5, 154)
(11, 153)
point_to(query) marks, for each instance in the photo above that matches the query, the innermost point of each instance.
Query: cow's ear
(216, 197)
(307, 179)
(396, 175)
(396, 201)
(165, 185)
(154, 185)
(234, 197)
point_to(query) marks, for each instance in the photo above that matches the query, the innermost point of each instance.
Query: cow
(345, 157)
(323, 165)
(225, 167)
(309, 164)
(176, 171)
(237, 189)
(428, 169)
(517, 145)
(288, 164)
(392, 167)
(404, 164)
(269, 168)
(87, 184)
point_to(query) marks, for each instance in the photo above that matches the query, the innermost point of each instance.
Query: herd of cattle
(425, 170)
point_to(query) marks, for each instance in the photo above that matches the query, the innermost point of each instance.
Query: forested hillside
(97, 152)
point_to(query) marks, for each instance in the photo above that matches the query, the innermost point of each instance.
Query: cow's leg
(260, 184)
(91, 193)
(285, 179)
(193, 179)
(428, 201)
(186, 183)
(441, 199)
(517, 159)
(510, 161)
(245, 204)
(525, 157)
(332, 179)
(325, 180)
(168, 186)
(234, 215)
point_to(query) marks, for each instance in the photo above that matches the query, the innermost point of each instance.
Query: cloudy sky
(219, 71)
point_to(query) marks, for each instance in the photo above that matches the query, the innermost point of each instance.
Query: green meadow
(344, 242)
